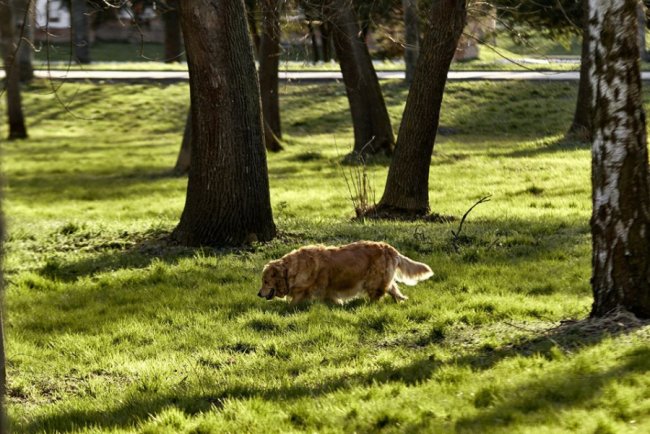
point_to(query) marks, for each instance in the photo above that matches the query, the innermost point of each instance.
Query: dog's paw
(400, 298)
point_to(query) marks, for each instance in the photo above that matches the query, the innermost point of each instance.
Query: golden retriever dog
(336, 274)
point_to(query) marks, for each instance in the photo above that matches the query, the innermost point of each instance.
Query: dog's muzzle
(269, 296)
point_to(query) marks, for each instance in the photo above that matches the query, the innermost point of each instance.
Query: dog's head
(274, 281)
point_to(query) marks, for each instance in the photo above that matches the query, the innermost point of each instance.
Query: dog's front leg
(335, 301)
(297, 298)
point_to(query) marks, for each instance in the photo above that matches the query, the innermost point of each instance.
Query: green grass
(103, 52)
(505, 55)
(111, 329)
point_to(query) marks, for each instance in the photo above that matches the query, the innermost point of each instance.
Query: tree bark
(228, 201)
(581, 126)
(25, 31)
(362, 11)
(314, 41)
(407, 186)
(80, 30)
(173, 38)
(373, 132)
(310, 16)
(326, 40)
(251, 7)
(640, 13)
(3, 372)
(620, 223)
(17, 129)
(411, 37)
(184, 159)
(269, 56)
(4, 425)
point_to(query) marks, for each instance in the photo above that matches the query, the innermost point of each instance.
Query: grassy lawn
(505, 55)
(112, 329)
(104, 52)
(502, 54)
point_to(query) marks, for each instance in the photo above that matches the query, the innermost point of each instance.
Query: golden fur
(336, 274)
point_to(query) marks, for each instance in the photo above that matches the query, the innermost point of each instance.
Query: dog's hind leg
(376, 294)
(394, 292)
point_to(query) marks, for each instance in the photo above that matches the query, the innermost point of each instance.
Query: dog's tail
(411, 272)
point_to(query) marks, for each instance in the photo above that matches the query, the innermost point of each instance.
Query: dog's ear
(281, 280)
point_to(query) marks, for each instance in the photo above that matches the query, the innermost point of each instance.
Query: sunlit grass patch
(112, 328)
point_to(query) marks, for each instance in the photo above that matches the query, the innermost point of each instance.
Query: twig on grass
(545, 335)
(462, 220)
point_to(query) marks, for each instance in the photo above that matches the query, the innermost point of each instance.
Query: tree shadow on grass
(81, 101)
(129, 253)
(532, 240)
(561, 144)
(575, 389)
(139, 273)
(308, 123)
(93, 283)
(89, 187)
(496, 408)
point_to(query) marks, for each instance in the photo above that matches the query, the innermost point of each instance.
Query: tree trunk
(269, 56)
(173, 38)
(373, 132)
(314, 41)
(362, 10)
(184, 159)
(411, 37)
(640, 13)
(251, 7)
(228, 201)
(3, 372)
(620, 223)
(326, 40)
(407, 186)
(581, 127)
(80, 30)
(4, 425)
(15, 115)
(25, 31)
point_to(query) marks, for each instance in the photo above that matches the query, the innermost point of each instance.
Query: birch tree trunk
(228, 201)
(621, 194)
(407, 186)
